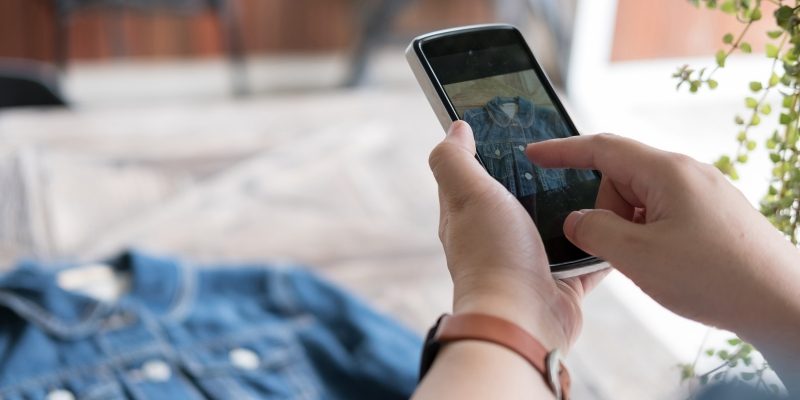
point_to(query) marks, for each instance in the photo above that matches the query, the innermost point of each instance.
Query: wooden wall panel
(675, 28)
(27, 28)
(644, 29)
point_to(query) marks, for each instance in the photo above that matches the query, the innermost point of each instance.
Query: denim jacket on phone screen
(227, 332)
(501, 141)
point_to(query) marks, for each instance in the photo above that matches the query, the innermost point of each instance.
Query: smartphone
(487, 76)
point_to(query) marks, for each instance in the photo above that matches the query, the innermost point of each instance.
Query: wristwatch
(487, 328)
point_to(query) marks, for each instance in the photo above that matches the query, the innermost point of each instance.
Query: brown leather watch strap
(507, 334)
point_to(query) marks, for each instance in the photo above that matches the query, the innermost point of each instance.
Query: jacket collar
(523, 117)
(31, 290)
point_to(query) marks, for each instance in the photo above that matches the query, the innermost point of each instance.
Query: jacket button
(60, 394)
(528, 176)
(156, 371)
(497, 152)
(521, 148)
(244, 358)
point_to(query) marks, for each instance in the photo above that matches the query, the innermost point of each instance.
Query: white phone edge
(601, 265)
(425, 83)
(439, 108)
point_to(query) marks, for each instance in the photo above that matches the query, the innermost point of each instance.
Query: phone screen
(493, 83)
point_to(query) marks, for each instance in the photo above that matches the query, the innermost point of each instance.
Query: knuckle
(460, 201)
(711, 173)
(633, 239)
(682, 166)
(679, 159)
(695, 173)
(440, 154)
(436, 155)
(605, 139)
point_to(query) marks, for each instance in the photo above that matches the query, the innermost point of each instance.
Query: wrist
(515, 301)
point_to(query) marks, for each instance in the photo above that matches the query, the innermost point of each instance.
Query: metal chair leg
(553, 11)
(375, 27)
(61, 38)
(228, 14)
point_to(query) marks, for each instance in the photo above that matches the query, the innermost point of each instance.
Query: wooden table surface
(336, 180)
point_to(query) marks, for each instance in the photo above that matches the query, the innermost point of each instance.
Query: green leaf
(712, 84)
(783, 15)
(770, 144)
(774, 157)
(755, 15)
(766, 109)
(738, 120)
(751, 145)
(725, 166)
(771, 50)
(750, 102)
(721, 56)
(710, 352)
(687, 371)
(787, 101)
(755, 120)
(745, 47)
(791, 137)
(728, 7)
(785, 119)
(774, 79)
(755, 86)
(741, 159)
(741, 137)
(775, 34)
(727, 39)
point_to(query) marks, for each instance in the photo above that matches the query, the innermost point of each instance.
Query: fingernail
(571, 221)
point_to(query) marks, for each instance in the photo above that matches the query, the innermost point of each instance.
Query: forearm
(481, 370)
(773, 324)
(777, 336)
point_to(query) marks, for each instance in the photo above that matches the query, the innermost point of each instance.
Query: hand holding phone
(487, 76)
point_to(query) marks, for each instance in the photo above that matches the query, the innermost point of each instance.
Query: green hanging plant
(781, 202)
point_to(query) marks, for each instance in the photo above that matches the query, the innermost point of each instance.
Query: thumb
(606, 235)
(454, 166)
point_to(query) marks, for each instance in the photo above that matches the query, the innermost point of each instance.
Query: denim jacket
(501, 141)
(232, 332)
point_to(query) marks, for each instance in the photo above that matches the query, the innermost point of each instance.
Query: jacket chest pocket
(258, 368)
(552, 178)
(498, 160)
(95, 385)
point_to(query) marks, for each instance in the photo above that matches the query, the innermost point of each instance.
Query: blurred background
(293, 129)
